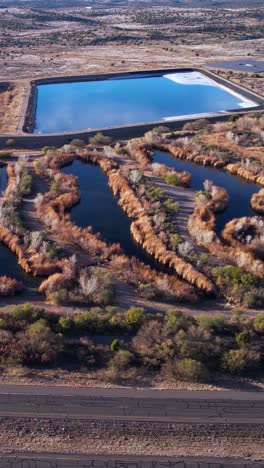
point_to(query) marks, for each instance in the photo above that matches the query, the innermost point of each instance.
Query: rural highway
(154, 405)
(32, 460)
(122, 404)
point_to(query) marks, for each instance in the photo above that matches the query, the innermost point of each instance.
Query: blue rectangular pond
(83, 105)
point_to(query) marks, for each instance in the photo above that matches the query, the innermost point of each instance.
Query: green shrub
(45, 149)
(65, 324)
(191, 370)
(196, 125)
(243, 338)
(156, 194)
(77, 142)
(236, 275)
(25, 183)
(175, 240)
(239, 361)
(100, 139)
(135, 316)
(259, 323)
(115, 345)
(232, 118)
(204, 193)
(160, 129)
(216, 322)
(122, 359)
(172, 179)
(55, 186)
(254, 298)
(23, 312)
(3, 323)
(176, 320)
(171, 205)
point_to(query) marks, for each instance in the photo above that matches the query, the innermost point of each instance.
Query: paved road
(95, 403)
(100, 461)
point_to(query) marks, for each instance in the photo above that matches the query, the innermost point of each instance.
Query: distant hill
(145, 3)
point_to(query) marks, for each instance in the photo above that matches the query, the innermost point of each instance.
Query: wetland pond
(99, 208)
(127, 100)
(239, 190)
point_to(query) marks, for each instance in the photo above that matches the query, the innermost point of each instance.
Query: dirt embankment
(11, 100)
(130, 437)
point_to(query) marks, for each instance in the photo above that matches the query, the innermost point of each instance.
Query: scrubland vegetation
(172, 345)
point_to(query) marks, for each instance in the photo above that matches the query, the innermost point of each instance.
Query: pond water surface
(99, 208)
(240, 191)
(63, 107)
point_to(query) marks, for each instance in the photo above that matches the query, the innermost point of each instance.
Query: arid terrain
(183, 312)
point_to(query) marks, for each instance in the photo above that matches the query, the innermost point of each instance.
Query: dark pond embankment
(99, 208)
(240, 191)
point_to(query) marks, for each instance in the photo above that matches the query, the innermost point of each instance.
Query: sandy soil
(52, 43)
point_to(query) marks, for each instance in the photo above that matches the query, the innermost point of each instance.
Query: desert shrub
(37, 345)
(135, 316)
(156, 194)
(175, 240)
(176, 320)
(88, 321)
(77, 142)
(10, 142)
(9, 286)
(23, 312)
(243, 338)
(152, 345)
(55, 186)
(200, 344)
(46, 149)
(190, 370)
(171, 205)
(100, 139)
(122, 359)
(160, 129)
(3, 323)
(204, 260)
(240, 361)
(203, 193)
(254, 298)
(148, 290)
(25, 183)
(259, 323)
(235, 275)
(172, 179)
(216, 323)
(65, 324)
(232, 118)
(196, 125)
(119, 367)
(115, 345)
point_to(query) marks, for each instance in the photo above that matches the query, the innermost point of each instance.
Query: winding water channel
(99, 208)
(240, 191)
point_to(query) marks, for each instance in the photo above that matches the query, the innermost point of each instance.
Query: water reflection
(65, 107)
(240, 191)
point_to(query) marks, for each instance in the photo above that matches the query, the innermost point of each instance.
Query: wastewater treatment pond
(99, 208)
(239, 190)
(83, 105)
